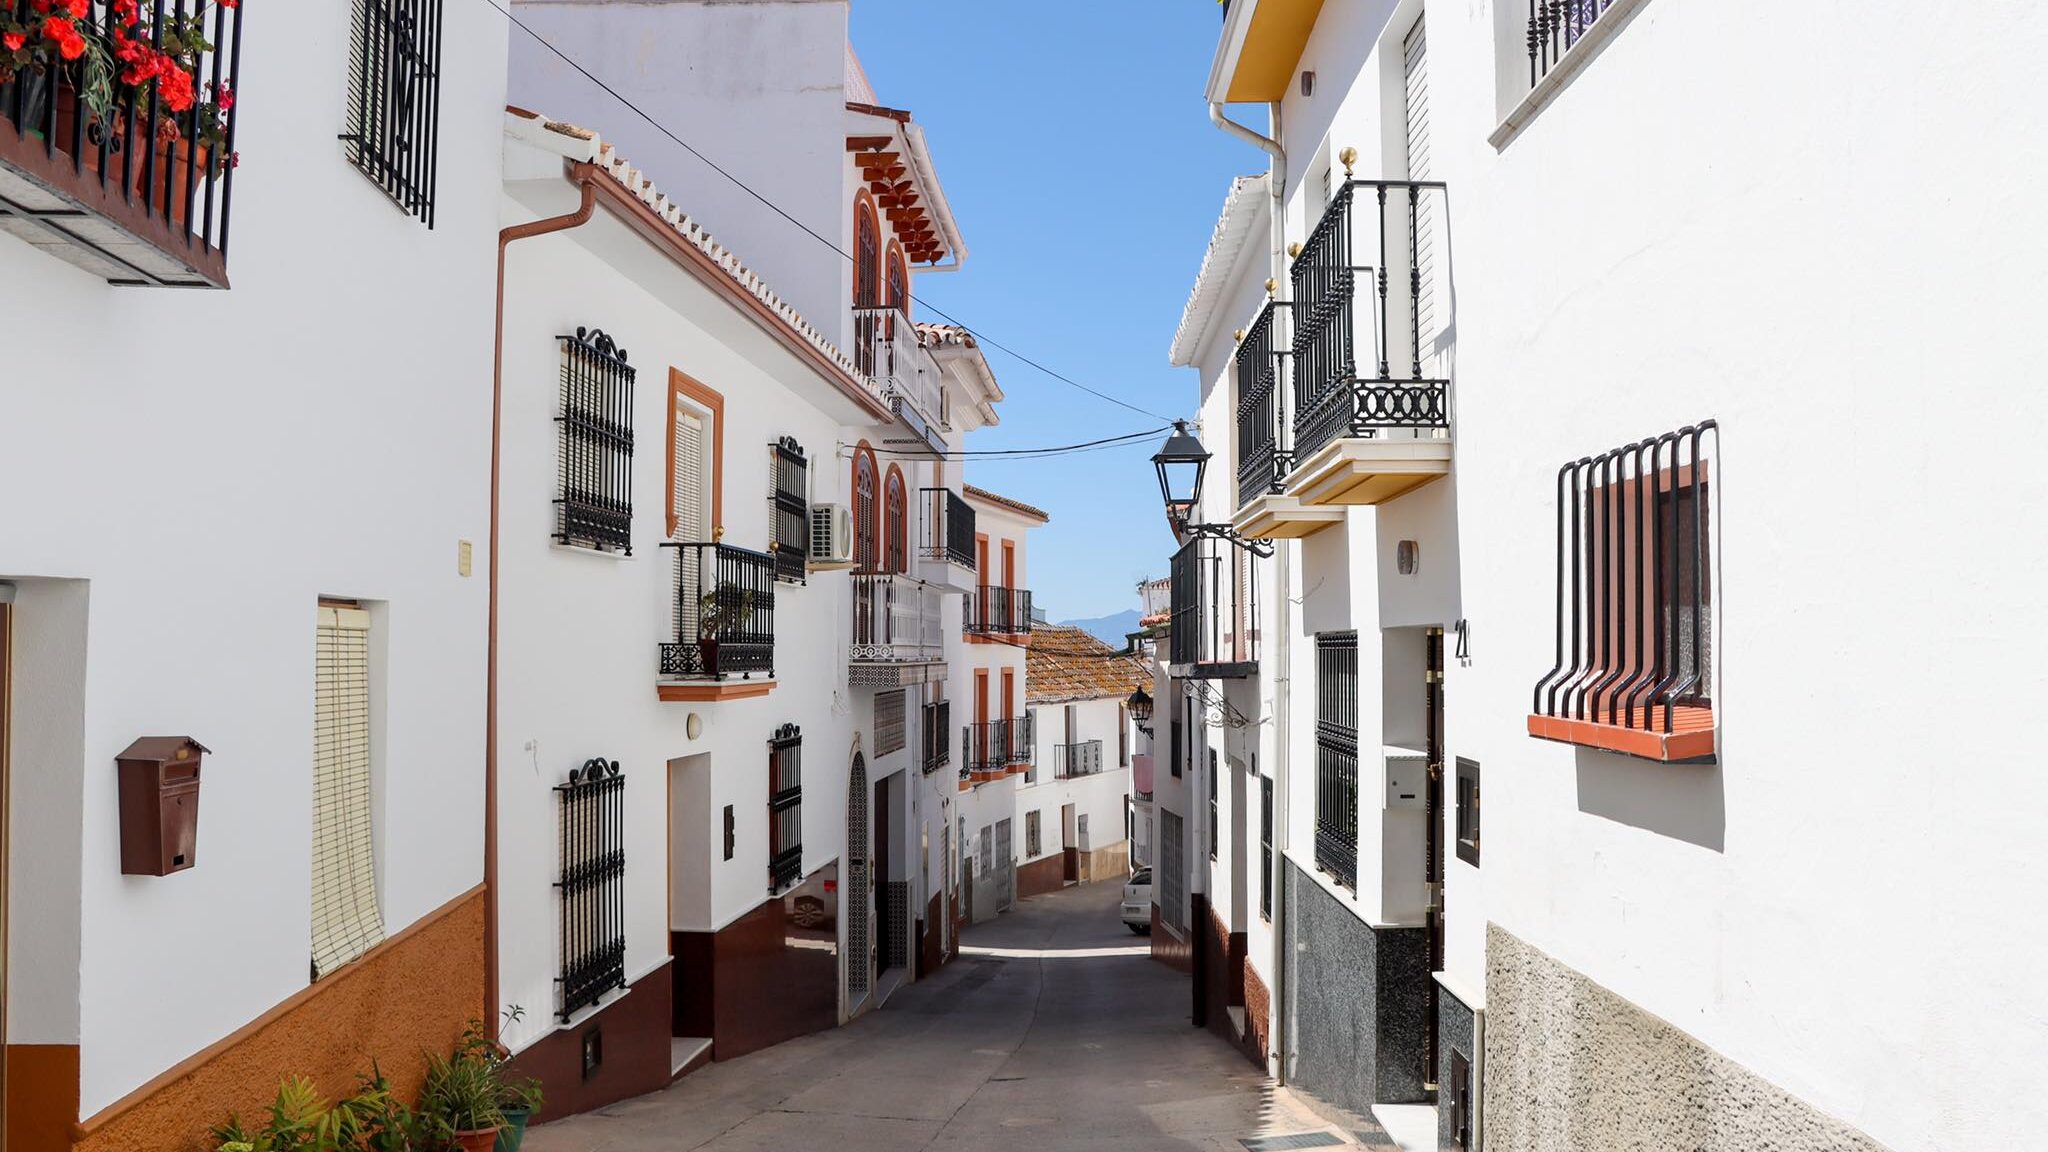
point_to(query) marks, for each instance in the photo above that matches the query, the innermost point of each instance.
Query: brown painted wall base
(412, 994)
(1258, 1016)
(632, 1034)
(1229, 978)
(929, 954)
(1045, 874)
(1175, 954)
(763, 978)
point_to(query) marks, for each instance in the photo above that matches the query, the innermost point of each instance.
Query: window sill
(587, 550)
(1691, 739)
(710, 691)
(1569, 65)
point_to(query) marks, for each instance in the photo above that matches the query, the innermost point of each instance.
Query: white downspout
(1276, 180)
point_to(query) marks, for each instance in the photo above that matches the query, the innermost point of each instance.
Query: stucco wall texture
(412, 995)
(1570, 1065)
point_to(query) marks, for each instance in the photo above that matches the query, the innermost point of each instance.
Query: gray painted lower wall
(1356, 1002)
(1453, 1034)
(1571, 1066)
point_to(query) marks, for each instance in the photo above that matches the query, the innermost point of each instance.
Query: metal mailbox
(159, 805)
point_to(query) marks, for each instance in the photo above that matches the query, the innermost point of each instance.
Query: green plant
(523, 1094)
(301, 1120)
(725, 609)
(463, 1090)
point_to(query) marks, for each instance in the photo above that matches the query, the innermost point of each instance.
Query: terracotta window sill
(707, 691)
(1691, 737)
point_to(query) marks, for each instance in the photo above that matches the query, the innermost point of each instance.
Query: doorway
(1069, 846)
(860, 889)
(892, 889)
(1005, 867)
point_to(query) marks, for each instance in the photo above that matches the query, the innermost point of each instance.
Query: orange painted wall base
(409, 995)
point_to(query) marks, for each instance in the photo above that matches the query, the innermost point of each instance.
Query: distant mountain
(1109, 629)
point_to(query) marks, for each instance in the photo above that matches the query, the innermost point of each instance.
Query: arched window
(867, 252)
(896, 527)
(898, 279)
(867, 552)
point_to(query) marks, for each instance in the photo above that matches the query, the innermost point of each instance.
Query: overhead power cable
(1018, 453)
(743, 186)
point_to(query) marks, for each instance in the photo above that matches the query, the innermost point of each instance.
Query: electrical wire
(743, 186)
(1017, 453)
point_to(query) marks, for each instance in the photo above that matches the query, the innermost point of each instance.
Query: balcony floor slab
(1368, 471)
(1275, 516)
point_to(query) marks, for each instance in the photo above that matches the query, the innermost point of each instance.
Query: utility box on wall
(159, 805)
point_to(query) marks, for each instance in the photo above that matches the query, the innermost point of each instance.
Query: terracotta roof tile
(1017, 506)
(1066, 664)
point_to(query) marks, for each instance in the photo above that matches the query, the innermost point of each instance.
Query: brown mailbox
(159, 805)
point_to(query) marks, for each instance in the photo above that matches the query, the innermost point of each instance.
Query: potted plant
(463, 1099)
(518, 1099)
(301, 1120)
(725, 609)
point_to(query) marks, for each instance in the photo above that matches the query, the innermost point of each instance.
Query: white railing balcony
(886, 350)
(895, 626)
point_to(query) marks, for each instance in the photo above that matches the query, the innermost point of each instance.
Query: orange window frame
(866, 509)
(681, 386)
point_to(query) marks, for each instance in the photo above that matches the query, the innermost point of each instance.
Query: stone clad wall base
(1454, 1030)
(1357, 1002)
(1571, 1065)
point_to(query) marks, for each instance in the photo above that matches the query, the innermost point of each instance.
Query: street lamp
(1181, 462)
(1140, 707)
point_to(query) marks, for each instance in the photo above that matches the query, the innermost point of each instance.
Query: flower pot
(172, 178)
(707, 651)
(514, 1132)
(477, 1139)
(89, 145)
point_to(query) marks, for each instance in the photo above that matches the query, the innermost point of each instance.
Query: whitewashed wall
(1099, 797)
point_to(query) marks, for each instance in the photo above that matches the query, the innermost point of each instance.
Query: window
(592, 883)
(1031, 769)
(891, 722)
(731, 832)
(346, 921)
(1172, 873)
(899, 279)
(595, 506)
(1337, 756)
(1461, 1099)
(1123, 736)
(1031, 835)
(895, 523)
(866, 252)
(391, 124)
(1634, 660)
(785, 807)
(1265, 844)
(1175, 744)
(790, 520)
(1468, 811)
(867, 482)
(1214, 824)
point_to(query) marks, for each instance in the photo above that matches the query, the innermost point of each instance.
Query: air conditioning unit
(831, 537)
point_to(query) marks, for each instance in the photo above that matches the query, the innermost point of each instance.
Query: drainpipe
(505, 238)
(1283, 572)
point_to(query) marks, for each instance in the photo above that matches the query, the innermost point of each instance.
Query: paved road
(1053, 1030)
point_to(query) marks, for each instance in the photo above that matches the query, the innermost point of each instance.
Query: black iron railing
(936, 734)
(1021, 737)
(789, 503)
(1337, 756)
(592, 880)
(724, 613)
(1079, 759)
(1261, 459)
(394, 99)
(1556, 25)
(156, 159)
(1375, 232)
(994, 745)
(997, 611)
(785, 807)
(595, 505)
(947, 530)
(1212, 631)
(1634, 585)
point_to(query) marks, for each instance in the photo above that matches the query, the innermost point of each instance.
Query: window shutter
(687, 481)
(1415, 71)
(890, 721)
(346, 922)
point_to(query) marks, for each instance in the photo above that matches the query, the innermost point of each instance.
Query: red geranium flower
(64, 34)
(80, 9)
(224, 96)
(174, 84)
(13, 40)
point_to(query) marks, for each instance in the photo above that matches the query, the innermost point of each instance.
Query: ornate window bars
(785, 807)
(1555, 26)
(591, 806)
(789, 509)
(595, 505)
(394, 99)
(1337, 756)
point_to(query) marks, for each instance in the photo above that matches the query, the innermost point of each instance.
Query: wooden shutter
(687, 478)
(346, 922)
(1415, 71)
(890, 725)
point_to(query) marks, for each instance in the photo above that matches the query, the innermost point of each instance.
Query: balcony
(996, 748)
(1212, 634)
(946, 539)
(724, 646)
(886, 351)
(120, 184)
(936, 731)
(998, 613)
(896, 634)
(1265, 511)
(1072, 761)
(1371, 416)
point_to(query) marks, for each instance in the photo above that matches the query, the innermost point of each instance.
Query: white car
(1138, 902)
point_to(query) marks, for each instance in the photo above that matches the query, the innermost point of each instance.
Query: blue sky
(1076, 151)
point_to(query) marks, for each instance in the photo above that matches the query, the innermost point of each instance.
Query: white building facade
(1075, 802)
(1508, 544)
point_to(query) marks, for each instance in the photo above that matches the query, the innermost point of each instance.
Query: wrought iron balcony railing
(946, 530)
(1261, 458)
(994, 611)
(724, 614)
(1074, 760)
(1213, 629)
(886, 351)
(132, 181)
(996, 745)
(1365, 288)
(895, 620)
(936, 731)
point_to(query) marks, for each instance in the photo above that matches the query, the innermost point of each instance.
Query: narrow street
(1053, 1030)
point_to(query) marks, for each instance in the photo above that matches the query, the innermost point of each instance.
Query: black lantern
(1140, 708)
(1181, 461)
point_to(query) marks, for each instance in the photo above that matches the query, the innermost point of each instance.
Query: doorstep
(686, 1054)
(1413, 1126)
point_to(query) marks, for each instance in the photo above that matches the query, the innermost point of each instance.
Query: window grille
(938, 733)
(896, 529)
(1176, 743)
(1555, 26)
(394, 99)
(1265, 845)
(1337, 756)
(1468, 811)
(1215, 824)
(593, 884)
(346, 921)
(790, 525)
(595, 508)
(891, 722)
(1031, 840)
(1123, 736)
(785, 807)
(1172, 874)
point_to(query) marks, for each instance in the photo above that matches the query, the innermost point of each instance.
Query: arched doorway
(860, 888)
